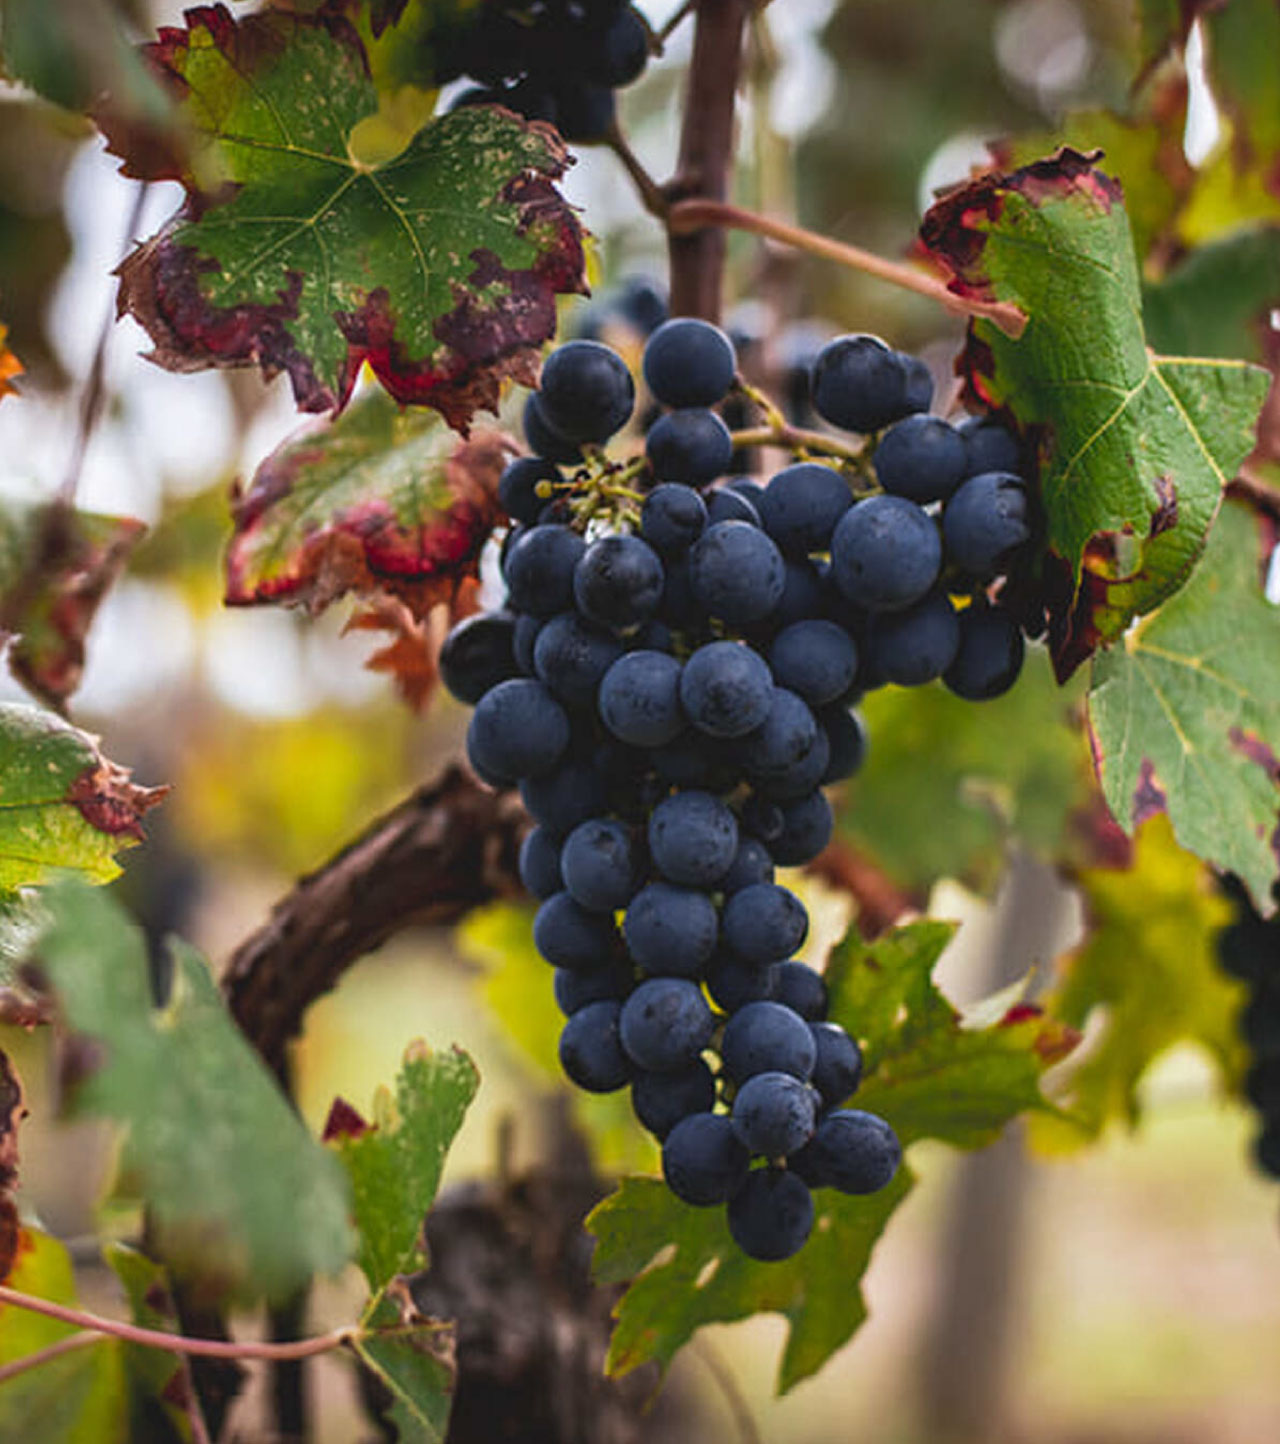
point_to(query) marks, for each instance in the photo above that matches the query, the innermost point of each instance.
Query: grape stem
(689, 216)
(652, 196)
(797, 438)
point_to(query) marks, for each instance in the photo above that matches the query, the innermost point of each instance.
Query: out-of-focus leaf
(1149, 961)
(379, 500)
(942, 790)
(23, 1004)
(1135, 448)
(1219, 299)
(414, 1357)
(10, 366)
(439, 266)
(1185, 712)
(12, 1112)
(56, 565)
(394, 1162)
(925, 1070)
(62, 804)
(242, 1199)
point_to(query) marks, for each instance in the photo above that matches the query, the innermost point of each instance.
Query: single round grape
(692, 838)
(625, 50)
(785, 738)
(886, 553)
(815, 658)
(571, 656)
(518, 730)
(989, 446)
(539, 570)
(773, 1114)
(771, 1215)
(661, 1100)
(837, 1070)
(666, 1024)
(726, 689)
(767, 1037)
(688, 362)
(801, 506)
(518, 487)
(753, 862)
(599, 864)
(618, 581)
(568, 936)
(990, 654)
(590, 1050)
(585, 113)
(574, 990)
(807, 826)
(853, 1151)
(670, 930)
(764, 922)
(918, 644)
(733, 983)
(922, 458)
(802, 594)
(586, 392)
(691, 446)
(860, 384)
(736, 573)
(639, 699)
(673, 518)
(919, 383)
(798, 987)
(847, 742)
(523, 640)
(641, 302)
(560, 800)
(986, 522)
(544, 440)
(540, 863)
(703, 1161)
(727, 503)
(478, 654)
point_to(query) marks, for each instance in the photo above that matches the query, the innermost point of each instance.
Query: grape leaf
(953, 816)
(1219, 298)
(1135, 448)
(1149, 960)
(414, 1358)
(10, 367)
(1185, 713)
(394, 1163)
(926, 1071)
(378, 500)
(241, 1198)
(62, 804)
(439, 266)
(56, 565)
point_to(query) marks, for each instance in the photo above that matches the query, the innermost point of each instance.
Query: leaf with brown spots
(1135, 449)
(56, 565)
(1185, 712)
(439, 266)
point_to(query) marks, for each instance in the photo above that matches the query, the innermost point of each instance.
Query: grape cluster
(554, 60)
(670, 684)
(1249, 949)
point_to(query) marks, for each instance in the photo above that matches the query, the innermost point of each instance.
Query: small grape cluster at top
(1249, 949)
(670, 684)
(555, 60)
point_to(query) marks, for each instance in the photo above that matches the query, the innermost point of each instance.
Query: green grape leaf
(439, 266)
(62, 804)
(151, 1306)
(394, 1163)
(380, 499)
(413, 1356)
(241, 1198)
(926, 1070)
(1185, 713)
(941, 790)
(1219, 298)
(56, 565)
(1149, 961)
(1135, 448)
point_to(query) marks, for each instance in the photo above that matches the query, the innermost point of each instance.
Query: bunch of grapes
(555, 60)
(670, 684)
(1249, 949)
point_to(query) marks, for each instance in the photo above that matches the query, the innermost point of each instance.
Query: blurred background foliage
(1145, 1277)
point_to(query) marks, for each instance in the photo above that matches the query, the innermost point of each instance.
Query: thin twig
(678, 19)
(54, 1351)
(95, 392)
(690, 216)
(738, 1406)
(178, 1343)
(652, 196)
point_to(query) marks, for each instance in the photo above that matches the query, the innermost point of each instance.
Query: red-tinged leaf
(10, 367)
(344, 1121)
(56, 565)
(12, 1112)
(439, 266)
(412, 656)
(380, 501)
(1135, 448)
